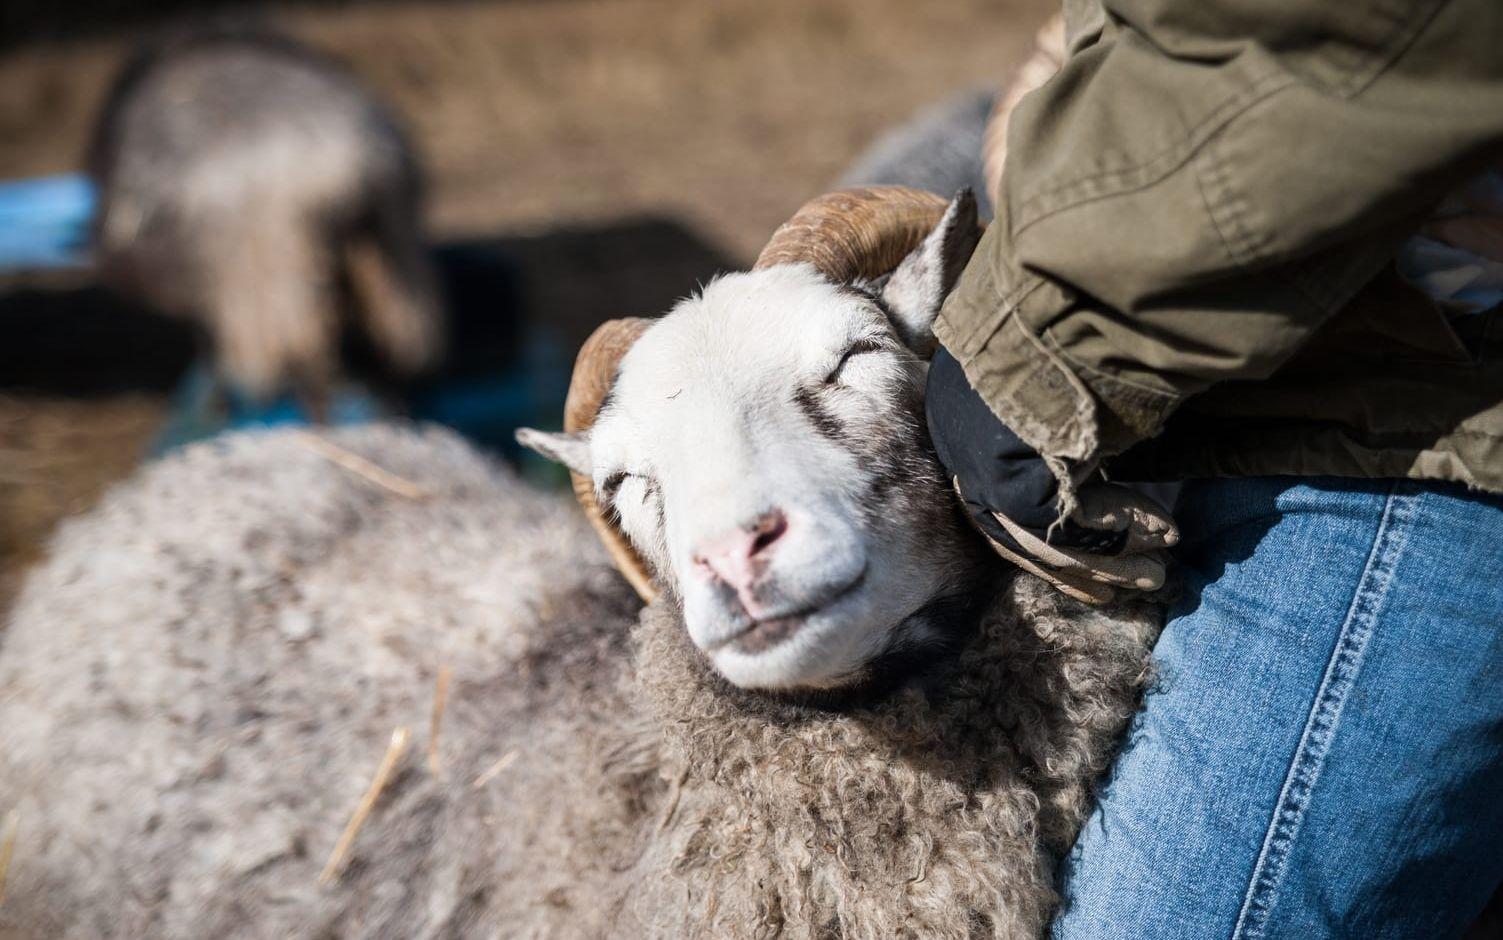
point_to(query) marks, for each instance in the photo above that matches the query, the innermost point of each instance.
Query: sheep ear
(921, 282)
(571, 450)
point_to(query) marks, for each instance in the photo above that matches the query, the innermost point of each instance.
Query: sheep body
(937, 148)
(250, 184)
(201, 680)
(199, 683)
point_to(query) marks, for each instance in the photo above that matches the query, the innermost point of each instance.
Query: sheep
(200, 681)
(596, 774)
(249, 184)
(197, 685)
(763, 448)
(758, 462)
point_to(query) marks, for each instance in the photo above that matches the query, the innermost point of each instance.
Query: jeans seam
(1336, 685)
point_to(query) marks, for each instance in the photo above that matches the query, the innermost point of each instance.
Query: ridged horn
(855, 233)
(594, 373)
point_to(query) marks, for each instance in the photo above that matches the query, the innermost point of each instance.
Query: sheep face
(764, 449)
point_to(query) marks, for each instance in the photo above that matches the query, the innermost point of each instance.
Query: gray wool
(198, 684)
(937, 149)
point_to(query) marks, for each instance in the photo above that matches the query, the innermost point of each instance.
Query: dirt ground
(618, 119)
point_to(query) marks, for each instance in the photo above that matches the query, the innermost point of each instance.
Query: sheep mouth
(762, 635)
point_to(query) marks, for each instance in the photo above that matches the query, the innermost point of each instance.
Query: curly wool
(198, 684)
(935, 812)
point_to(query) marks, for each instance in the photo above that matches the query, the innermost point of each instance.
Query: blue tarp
(44, 222)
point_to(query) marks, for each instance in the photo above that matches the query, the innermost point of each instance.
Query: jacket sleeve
(1202, 185)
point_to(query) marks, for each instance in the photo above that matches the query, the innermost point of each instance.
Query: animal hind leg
(271, 307)
(395, 299)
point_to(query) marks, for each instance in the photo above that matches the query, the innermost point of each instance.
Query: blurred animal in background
(252, 185)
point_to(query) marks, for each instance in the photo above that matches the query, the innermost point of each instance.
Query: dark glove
(1114, 538)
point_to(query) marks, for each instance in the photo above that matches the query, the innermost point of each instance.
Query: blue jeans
(1321, 754)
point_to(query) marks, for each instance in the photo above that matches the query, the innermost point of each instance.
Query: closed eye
(858, 348)
(612, 485)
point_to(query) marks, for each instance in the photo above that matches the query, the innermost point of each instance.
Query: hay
(490, 773)
(435, 722)
(12, 821)
(8, 847)
(400, 738)
(360, 466)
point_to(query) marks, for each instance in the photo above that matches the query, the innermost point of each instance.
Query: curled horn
(594, 373)
(855, 233)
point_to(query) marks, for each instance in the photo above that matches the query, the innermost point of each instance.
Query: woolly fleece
(197, 686)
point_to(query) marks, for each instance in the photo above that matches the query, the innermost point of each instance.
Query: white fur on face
(776, 390)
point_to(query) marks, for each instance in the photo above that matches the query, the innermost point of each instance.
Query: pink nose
(739, 557)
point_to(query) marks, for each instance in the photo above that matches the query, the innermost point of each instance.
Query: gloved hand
(1114, 539)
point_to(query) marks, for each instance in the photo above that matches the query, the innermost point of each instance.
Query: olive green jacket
(1190, 271)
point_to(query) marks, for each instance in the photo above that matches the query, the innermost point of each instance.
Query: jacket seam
(1140, 391)
(1342, 672)
(1078, 432)
(1212, 169)
(1071, 436)
(1013, 302)
(1146, 173)
(1406, 29)
(1008, 304)
(1228, 213)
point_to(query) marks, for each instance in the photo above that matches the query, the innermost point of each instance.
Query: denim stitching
(1320, 728)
